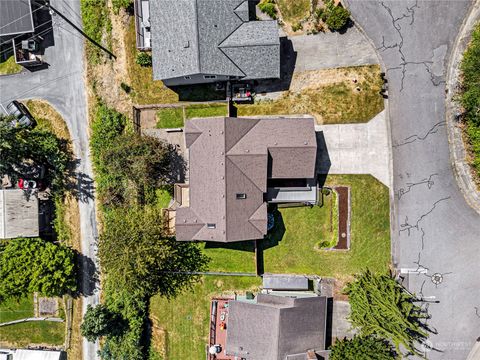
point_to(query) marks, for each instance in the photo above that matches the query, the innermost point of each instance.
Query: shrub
(268, 7)
(362, 348)
(336, 17)
(324, 244)
(100, 321)
(144, 59)
(125, 87)
(298, 26)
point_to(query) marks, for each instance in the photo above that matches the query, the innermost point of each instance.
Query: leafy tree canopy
(33, 265)
(23, 149)
(135, 252)
(100, 321)
(381, 306)
(362, 348)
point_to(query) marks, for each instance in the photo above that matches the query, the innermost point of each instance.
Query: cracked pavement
(434, 231)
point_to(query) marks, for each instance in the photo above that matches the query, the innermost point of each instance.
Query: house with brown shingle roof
(239, 165)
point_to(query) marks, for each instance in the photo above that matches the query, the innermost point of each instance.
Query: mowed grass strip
(205, 110)
(336, 102)
(230, 257)
(184, 319)
(297, 251)
(294, 10)
(35, 332)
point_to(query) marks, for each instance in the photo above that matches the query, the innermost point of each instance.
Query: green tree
(100, 321)
(362, 348)
(34, 265)
(135, 252)
(380, 306)
(23, 149)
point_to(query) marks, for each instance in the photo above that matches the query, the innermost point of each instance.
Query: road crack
(429, 181)
(412, 138)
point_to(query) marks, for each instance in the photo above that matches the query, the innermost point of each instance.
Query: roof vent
(187, 44)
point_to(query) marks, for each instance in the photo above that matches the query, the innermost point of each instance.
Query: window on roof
(209, 76)
(241, 196)
(187, 77)
(211, 226)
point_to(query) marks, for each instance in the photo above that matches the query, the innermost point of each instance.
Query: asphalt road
(63, 85)
(434, 230)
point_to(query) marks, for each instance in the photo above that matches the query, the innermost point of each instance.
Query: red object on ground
(20, 183)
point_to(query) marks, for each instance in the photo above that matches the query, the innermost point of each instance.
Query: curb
(460, 166)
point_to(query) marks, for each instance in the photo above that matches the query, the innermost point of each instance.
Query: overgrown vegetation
(138, 259)
(362, 348)
(293, 11)
(470, 100)
(122, 4)
(30, 265)
(97, 25)
(381, 307)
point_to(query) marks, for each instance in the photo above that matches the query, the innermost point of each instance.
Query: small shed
(18, 214)
(285, 282)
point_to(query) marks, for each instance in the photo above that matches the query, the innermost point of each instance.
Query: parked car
(21, 114)
(28, 184)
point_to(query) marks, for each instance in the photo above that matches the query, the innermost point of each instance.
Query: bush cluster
(335, 16)
(144, 59)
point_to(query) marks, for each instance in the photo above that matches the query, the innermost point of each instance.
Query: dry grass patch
(9, 66)
(48, 118)
(331, 95)
(294, 10)
(145, 89)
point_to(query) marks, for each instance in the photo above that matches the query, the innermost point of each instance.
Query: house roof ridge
(241, 137)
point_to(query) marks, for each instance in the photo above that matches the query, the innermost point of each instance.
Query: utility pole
(47, 4)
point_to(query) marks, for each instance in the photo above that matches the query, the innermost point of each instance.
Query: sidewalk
(460, 166)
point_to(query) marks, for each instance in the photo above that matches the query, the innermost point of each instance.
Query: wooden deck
(219, 328)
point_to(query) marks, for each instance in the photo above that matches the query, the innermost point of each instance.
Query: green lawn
(13, 310)
(184, 319)
(234, 257)
(205, 110)
(170, 118)
(175, 117)
(370, 234)
(38, 332)
(9, 66)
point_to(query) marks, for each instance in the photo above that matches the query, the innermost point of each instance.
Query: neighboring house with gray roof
(276, 327)
(16, 17)
(236, 167)
(201, 41)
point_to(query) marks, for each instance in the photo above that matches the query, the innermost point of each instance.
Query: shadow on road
(89, 276)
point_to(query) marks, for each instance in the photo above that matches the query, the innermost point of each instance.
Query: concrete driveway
(331, 50)
(62, 84)
(356, 149)
(434, 231)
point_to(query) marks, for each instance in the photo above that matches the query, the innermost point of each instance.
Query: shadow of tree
(89, 276)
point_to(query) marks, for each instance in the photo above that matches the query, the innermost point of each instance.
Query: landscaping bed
(182, 323)
(297, 250)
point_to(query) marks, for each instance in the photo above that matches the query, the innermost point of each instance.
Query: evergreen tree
(362, 348)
